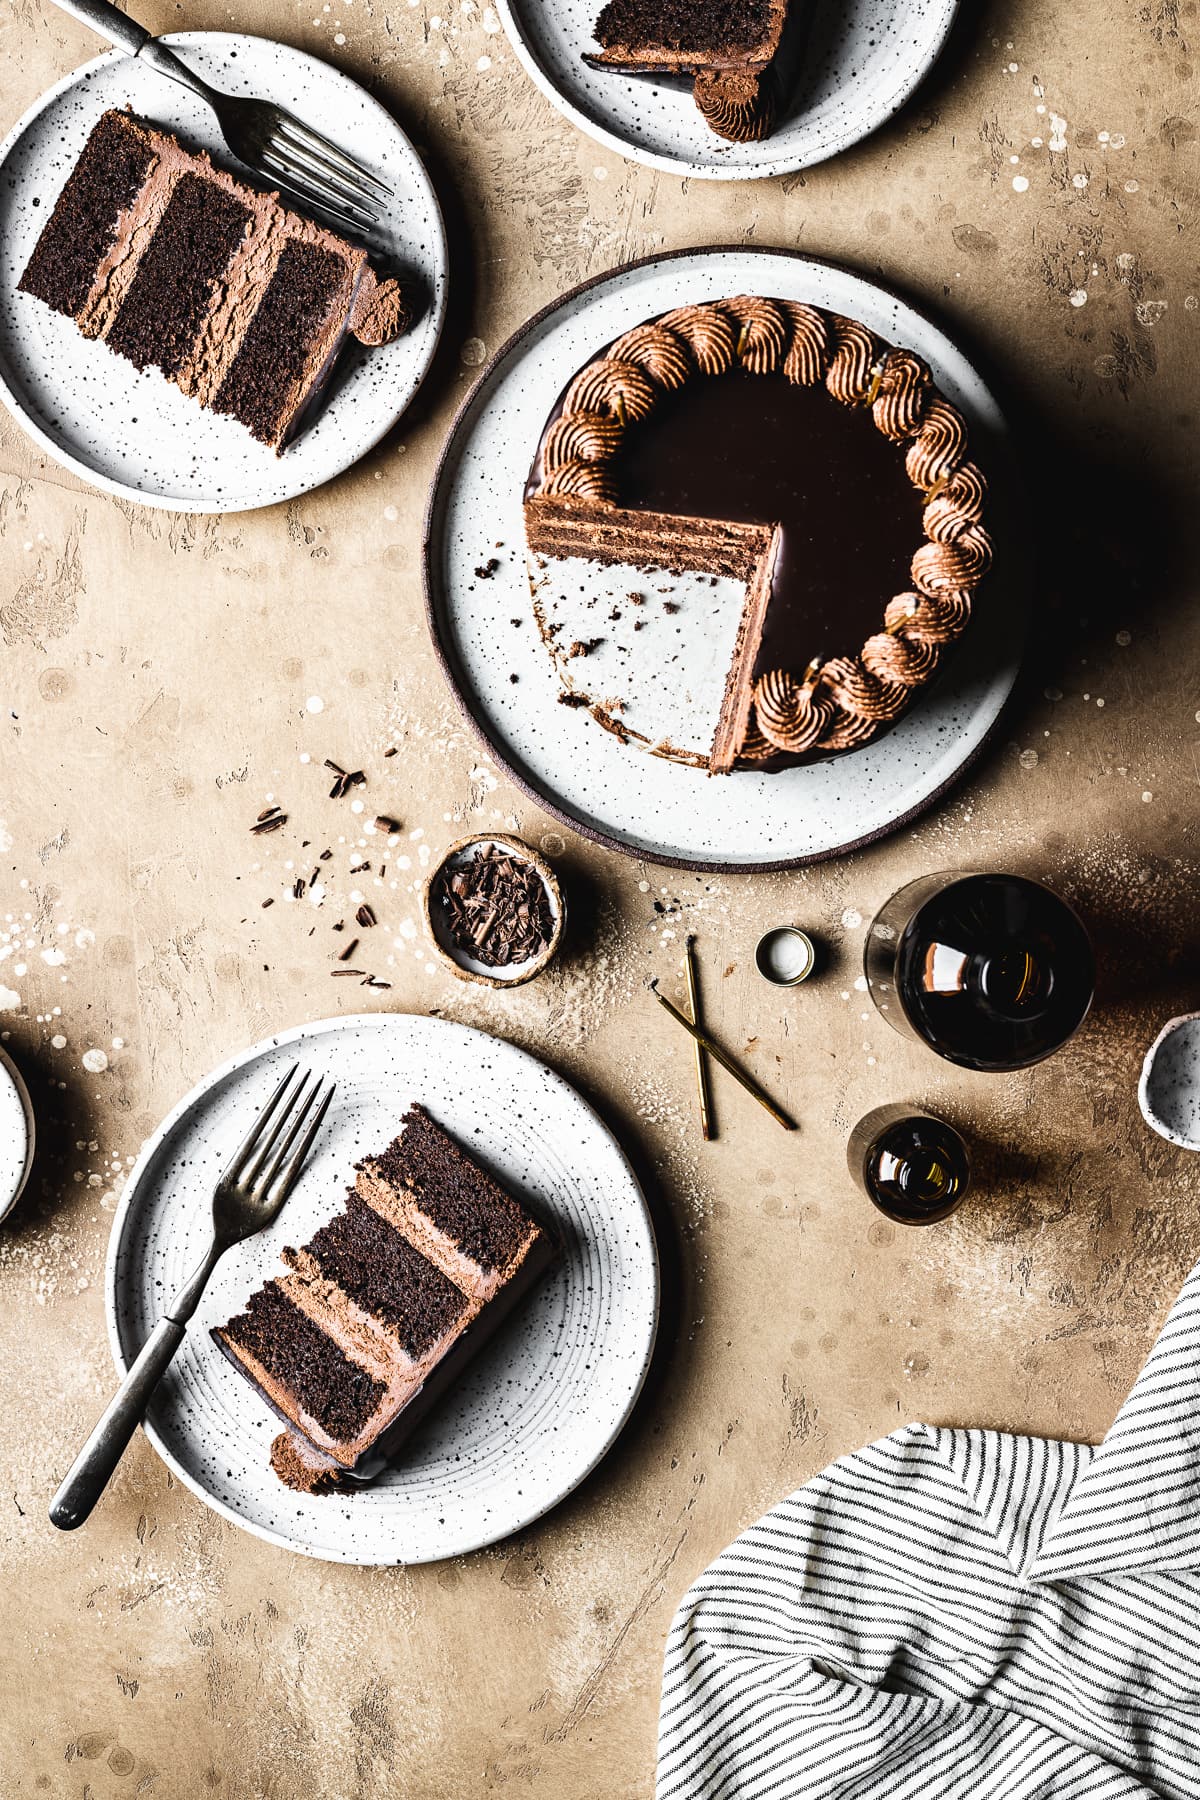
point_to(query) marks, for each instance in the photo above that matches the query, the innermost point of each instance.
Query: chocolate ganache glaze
(758, 449)
(832, 453)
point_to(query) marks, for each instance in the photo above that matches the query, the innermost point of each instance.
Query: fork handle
(109, 21)
(92, 1469)
(126, 34)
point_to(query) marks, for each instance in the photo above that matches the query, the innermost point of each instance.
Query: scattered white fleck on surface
(1028, 759)
(95, 1061)
(852, 918)
(1078, 296)
(1147, 796)
(315, 704)
(1020, 184)
(473, 352)
(1124, 638)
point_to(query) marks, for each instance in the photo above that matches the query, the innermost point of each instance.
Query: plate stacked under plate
(612, 791)
(536, 1410)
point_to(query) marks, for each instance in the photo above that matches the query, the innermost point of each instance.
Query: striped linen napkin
(951, 1613)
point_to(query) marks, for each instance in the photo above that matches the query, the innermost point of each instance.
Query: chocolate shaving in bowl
(495, 907)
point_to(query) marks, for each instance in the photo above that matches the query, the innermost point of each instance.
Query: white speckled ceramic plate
(16, 1134)
(568, 763)
(863, 60)
(135, 434)
(539, 1406)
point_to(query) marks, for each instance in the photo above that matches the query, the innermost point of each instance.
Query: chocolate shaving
(384, 823)
(270, 820)
(348, 952)
(365, 916)
(496, 907)
(336, 972)
(344, 779)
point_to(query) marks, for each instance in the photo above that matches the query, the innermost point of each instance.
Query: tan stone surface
(154, 672)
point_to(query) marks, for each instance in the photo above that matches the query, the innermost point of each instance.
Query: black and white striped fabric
(951, 1613)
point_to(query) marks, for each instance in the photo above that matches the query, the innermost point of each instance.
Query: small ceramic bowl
(461, 962)
(1169, 1089)
(16, 1134)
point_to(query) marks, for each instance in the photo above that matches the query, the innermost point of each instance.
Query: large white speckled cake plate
(614, 792)
(539, 1406)
(863, 59)
(137, 435)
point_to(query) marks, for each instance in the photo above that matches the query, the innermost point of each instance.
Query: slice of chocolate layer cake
(173, 264)
(740, 55)
(381, 1310)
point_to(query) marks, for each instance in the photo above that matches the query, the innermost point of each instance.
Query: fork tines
(318, 172)
(274, 1151)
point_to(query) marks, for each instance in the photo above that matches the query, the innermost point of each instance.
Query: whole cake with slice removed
(382, 1309)
(805, 506)
(173, 264)
(741, 56)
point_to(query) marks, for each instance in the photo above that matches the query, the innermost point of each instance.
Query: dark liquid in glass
(991, 971)
(913, 1167)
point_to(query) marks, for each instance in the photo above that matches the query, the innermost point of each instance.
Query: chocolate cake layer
(700, 28)
(173, 288)
(337, 1392)
(242, 303)
(83, 225)
(387, 1276)
(273, 357)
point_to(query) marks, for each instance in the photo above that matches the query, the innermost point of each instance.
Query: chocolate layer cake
(382, 1309)
(740, 55)
(177, 266)
(818, 479)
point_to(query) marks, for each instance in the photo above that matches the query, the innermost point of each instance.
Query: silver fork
(282, 149)
(247, 1196)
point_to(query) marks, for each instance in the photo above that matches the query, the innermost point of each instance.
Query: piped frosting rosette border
(843, 702)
